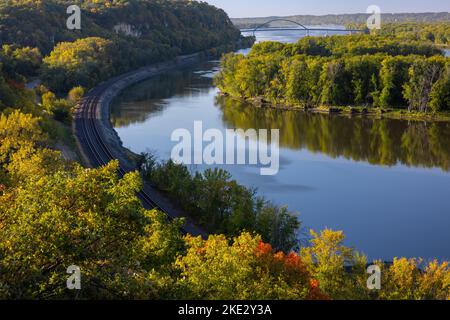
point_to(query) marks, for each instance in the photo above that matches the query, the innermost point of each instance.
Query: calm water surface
(385, 183)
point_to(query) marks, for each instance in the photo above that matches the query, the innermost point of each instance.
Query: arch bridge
(300, 27)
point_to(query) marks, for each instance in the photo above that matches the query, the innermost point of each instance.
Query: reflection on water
(143, 101)
(376, 141)
(383, 182)
(387, 142)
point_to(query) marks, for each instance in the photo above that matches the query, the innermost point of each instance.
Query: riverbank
(99, 143)
(391, 113)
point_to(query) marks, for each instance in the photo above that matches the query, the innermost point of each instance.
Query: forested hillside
(16, 64)
(150, 25)
(124, 35)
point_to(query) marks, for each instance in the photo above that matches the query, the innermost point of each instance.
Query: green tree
(336, 82)
(423, 74)
(440, 93)
(327, 259)
(278, 226)
(394, 75)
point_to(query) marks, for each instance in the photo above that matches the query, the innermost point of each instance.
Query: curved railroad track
(94, 147)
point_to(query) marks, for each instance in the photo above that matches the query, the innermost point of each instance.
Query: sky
(264, 8)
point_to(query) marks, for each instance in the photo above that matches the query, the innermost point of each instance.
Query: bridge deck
(301, 29)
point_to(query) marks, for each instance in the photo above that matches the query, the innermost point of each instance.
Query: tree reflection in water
(360, 138)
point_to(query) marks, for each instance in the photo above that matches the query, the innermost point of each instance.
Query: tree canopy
(360, 70)
(55, 214)
(115, 36)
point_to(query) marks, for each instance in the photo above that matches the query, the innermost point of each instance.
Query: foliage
(60, 109)
(116, 36)
(75, 94)
(437, 32)
(440, 94)
(20, 61)
(341, 273)
(393, 76)
(81, 63)
(360, 70)
(18, 131)
(327, 259)
(13, 92)
(423, 75)
(54, 215)
(403, 280)
(221, 205)
(247, 269)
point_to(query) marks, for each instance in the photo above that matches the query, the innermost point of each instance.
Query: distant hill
(116, 36)
(343, 19)
(155, 28)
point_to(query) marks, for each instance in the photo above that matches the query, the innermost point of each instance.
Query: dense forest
(151, 29)
(55, 213)
(115, 36)
(358, 70)
(344, 19)
(432, 32)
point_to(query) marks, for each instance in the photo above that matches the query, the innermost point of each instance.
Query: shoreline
(103, 95)
(362, 111)
(113, 88)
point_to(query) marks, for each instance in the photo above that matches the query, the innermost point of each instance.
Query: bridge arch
(279, 19)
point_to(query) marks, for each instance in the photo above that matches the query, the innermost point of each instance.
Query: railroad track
(99, 153)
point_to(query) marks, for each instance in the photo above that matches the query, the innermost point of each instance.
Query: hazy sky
(262, 8)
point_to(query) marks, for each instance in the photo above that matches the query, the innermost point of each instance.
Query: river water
(384, 182)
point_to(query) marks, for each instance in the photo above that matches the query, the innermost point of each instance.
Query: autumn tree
(245, 269)
(89, 218)
(84, 62)
(18, 131)
(328, 260)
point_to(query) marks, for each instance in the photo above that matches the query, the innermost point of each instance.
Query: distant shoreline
(349, 18)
